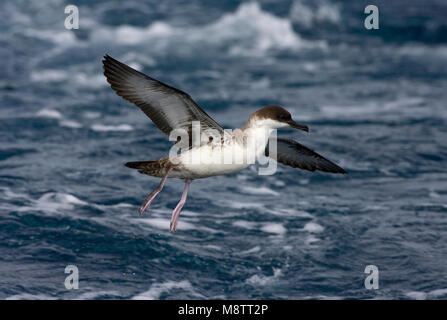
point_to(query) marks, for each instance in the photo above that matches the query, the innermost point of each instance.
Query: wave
(54, 203)
(258, 190)
(163, 224)
(249, 31)
(54, 114)
(98, 295)
(262, 280)
(71, 76)
(28, 296)
(275, 228)
(307, 15)
(49, 113)
(313, 227)
(268, 227)
(434, 294)
(157, 289)
(70, 124)
(108, 128)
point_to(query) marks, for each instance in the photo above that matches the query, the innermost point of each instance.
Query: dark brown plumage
(169, 108)
(295, 155)
(277, 113)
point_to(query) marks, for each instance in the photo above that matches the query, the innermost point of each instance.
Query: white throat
(258, 131)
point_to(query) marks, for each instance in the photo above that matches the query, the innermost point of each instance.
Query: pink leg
(154, 193)
(178, 208)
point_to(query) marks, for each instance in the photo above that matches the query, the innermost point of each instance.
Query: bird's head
(274, 117)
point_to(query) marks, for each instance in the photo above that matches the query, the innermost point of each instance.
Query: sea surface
(375, 102)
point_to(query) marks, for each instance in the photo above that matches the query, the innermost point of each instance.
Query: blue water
(375, 101)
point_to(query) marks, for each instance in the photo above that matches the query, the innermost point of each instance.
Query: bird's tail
(139, 164)
(155, 168)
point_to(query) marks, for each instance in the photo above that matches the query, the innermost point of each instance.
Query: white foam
(328, 12)
(438, 292)
(70, 124)
(251, 250)
(313, 227)
(107, 128)
(250, 21)
(413, 49)
(49, 113)
(244, 205)
(373, 109)
(293, 212)
(136, 66)
(97, 294)
(54, 203)
(86, 80)
(307, 16)
(258, 190)
(28, 296)
(244, 224)
(63, 38)
(81, 79)
(301, 14)
(137, 61)
(213, 247)
(420, 295)
(311, 239)
(276, 228)
(434, 194)
(48, 75)
(134, 35)
(91, 115)
(189, 213)
(157, 289)
(248, 31)
(417, 295)
(262, 280)
(64, 198)
(322, 297)
(9, 194)
(164, 224)
(279, 183)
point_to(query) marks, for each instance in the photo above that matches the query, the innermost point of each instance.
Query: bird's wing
(293, 154)
(168, 107)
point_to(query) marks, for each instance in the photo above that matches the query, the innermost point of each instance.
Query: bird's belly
(209, 170)
(208, 161)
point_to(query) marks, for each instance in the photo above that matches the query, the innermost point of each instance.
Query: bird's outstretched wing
(168, 107)
(293, 154)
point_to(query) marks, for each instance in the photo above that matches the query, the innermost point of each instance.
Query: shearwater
(217, 151)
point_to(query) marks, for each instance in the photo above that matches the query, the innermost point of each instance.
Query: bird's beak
(295, 125)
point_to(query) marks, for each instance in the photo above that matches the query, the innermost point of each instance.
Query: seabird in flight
(214, 153)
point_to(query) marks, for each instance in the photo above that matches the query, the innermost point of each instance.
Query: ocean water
(375, 101)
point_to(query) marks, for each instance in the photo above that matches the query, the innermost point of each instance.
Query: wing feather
(294, 154)
(168, 107)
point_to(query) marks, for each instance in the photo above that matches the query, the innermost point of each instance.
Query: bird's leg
(178, 208)
(154, 193)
